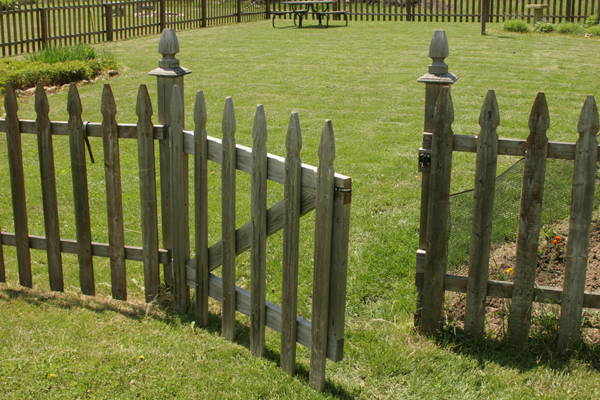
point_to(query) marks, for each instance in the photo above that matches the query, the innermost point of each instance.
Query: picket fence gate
(436, 165)
(305, 188)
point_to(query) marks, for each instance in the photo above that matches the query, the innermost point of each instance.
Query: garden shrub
(591, 21)
(594, 30)
(570, 28)
(515, 25)
(26, 74)
(544, 27)
(79, 52)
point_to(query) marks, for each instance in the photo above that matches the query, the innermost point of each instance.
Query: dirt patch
(550, 272)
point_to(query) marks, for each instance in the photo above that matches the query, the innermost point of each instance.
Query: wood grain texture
(114, 199)
(17, 186)
(69, 246)
(507, 147)
(504, 290)
(80, 193)
(201, 208)
(528, 233)
(291, 242)
(483, 208)
(49, 197)
(258, 249)
(582, 205)
(178, 201)
(275, 165)
(322, 258)
(228, 219)
(93, 129)
(148, 198)
(437, 248)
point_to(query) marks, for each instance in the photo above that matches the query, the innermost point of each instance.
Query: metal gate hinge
(424, 160)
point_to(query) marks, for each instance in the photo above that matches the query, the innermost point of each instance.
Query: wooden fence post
(530, 215)
(268, 9)
(437, 77)
(163, 14)
(258, 257)
(43, 26)
(114, 200)
(80, 193)
(49, 196)
(485, 14)
(291, 241)
(228, 252)
(168, 74)
(322, 258)
(483, 208)
(108, 23)
(582, 205)
(437, 214)
(179, 201)
(239, 11)
(201, 208)
(149, 207)
(17, 186)
(204, 13)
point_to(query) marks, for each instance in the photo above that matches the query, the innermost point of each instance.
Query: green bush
(515, 25)
(26, 74)
(544, 27)
(594, 30)
(569, 28)
(591, 21)
(81, 52)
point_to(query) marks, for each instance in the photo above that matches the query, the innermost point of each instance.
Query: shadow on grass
(162, 309)
(540, 350)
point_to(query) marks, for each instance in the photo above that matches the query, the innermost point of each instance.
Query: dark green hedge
(26, 74)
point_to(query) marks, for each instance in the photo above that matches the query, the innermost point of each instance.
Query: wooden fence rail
(431, 278)
(305, 188)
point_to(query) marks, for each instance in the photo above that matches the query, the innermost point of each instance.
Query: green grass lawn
(364, 78)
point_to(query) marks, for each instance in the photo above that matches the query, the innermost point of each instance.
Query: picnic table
(301, 9)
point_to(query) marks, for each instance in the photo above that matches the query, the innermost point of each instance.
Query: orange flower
(558, 238)
(555, 241)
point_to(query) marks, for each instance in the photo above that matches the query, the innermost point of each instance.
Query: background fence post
(108, 10)
(168, 74)
(268, 6)
(239, 10)
(434, 80)
(43, 26)
(204, 13)
(163, 14)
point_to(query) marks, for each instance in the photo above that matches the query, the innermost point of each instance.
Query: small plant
(593, 30)
(51, 55)
(543, 27)
(515, 25)
(569, 28)
(591, 21)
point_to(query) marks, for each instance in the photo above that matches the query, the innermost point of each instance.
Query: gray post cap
(438, 51)
(168, 46)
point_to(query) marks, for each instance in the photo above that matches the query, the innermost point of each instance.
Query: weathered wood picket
(431, 278)
(305, 188)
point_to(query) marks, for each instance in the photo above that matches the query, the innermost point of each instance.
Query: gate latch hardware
(424, 160)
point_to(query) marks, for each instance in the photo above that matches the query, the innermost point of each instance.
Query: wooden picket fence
(305, 188)
(431, 278)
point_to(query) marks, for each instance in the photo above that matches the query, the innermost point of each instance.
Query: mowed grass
(364, 78)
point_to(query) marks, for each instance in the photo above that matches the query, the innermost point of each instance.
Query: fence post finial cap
(168, 46)
(438, 51)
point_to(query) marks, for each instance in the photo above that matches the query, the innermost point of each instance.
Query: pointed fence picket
(431, 274)
(305, 188)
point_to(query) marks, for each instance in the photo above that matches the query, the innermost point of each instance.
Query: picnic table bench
(303, 8)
